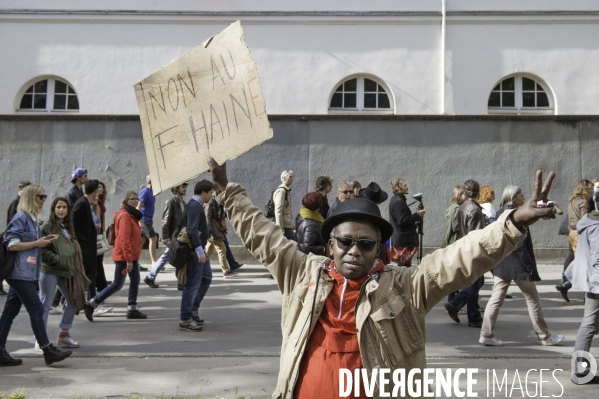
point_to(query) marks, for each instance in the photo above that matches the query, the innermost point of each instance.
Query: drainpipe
(443, 12)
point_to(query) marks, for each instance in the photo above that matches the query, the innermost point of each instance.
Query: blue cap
(78, 173)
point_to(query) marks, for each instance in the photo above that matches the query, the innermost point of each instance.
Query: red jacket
(127, 244)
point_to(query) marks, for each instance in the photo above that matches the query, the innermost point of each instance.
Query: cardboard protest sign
(207, 102)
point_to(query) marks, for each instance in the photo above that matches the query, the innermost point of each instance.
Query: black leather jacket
(308, 236)
(470, 217)
(171, 217)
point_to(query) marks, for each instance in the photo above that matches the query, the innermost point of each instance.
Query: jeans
(533, 302)
(159, 265)
(469, 297)
(23, 292)
(101, 282)
(589, 325)
(119, 281)
(48, 284)
(199, 277)
(233, 264)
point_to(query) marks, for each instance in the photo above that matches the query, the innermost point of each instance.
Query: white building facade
(426, 57)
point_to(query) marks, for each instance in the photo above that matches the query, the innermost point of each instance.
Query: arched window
(361, 93)
(49, 95)
(521, 94)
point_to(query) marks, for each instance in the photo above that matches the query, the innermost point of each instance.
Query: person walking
(577, 207)
(485, 199)
(471, 218)
(404, 222)
(521, 267)
(324, 185)
(125, 254)
(100, 209)
(10, 213)
(174, 208)
(307, 225)
(146, 205)
(583, 273)
(78, 178)
(282, 202)
(61, 262)
(345, 191)
(451, 214)
(198, 271)
(217, 225)
(24, 237)
(86, 232)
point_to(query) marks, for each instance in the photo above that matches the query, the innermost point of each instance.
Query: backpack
(110, 235)
(7, 258)
(269, 209)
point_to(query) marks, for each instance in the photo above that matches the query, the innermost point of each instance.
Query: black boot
(6, 360)
(563, 288)
(54, 355)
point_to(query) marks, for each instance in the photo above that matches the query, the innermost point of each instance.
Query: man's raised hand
(533, 209)
(219, 174)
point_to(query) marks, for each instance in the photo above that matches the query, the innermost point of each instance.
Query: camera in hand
(417, 197)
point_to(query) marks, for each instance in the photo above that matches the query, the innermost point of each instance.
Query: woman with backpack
(23, 237)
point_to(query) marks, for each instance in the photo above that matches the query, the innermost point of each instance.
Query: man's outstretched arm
(460, 264)
(260, 236)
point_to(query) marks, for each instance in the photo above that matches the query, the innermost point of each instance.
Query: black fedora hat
(357, 208)
(374, 193)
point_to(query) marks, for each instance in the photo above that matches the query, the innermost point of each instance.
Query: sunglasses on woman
(345, 243)
(42, 196)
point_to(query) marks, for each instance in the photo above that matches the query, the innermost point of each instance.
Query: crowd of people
(59, 263)
(58, 266)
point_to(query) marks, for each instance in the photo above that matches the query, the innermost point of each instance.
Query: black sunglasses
(346, 192)
(345, 243)
(42, 196)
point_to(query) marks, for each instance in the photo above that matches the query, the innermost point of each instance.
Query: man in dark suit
(199, 274)
(12, 210)
(86, 232)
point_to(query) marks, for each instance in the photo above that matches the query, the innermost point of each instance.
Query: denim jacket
(27, 263)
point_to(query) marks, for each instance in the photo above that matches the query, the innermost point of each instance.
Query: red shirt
(334, 342)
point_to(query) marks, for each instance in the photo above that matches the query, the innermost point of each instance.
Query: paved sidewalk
(237, 354)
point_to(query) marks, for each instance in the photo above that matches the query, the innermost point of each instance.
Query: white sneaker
(490, 341)
(102, 310)
(37, 346)
(554, 340)
(56, 311)
(67, 342)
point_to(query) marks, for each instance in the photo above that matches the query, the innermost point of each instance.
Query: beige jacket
(283, 212)
(390, 311)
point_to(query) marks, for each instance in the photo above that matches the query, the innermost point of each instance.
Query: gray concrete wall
(432, 153)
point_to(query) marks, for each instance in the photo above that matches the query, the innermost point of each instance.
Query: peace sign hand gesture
(537, 207)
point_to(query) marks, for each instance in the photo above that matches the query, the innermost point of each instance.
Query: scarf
(133, 212)
(314, 215)
(78, 284)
